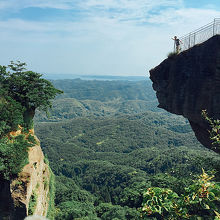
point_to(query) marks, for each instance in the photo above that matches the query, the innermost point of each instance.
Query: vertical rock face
(6, 202)
(188, 83)
(29, 193)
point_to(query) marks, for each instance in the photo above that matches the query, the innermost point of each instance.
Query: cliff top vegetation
(21, 92)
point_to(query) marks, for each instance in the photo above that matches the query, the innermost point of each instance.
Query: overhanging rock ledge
(188, 83)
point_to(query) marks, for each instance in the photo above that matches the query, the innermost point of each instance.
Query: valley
(107, 141)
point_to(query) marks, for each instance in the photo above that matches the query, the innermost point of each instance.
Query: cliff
(28, 193)
(188, 83)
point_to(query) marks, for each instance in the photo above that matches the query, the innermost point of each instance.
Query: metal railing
(200, 35)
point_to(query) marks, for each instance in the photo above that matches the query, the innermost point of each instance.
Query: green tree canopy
(27, 88)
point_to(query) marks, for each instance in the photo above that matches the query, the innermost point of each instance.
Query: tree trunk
(28, 118)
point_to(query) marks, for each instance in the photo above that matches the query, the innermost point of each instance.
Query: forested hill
(84, 98)
(105, 90)
(107, 141)
(121, 134)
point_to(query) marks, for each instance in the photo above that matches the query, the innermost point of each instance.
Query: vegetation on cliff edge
(21, 92)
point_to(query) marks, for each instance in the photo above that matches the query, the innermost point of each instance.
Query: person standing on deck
(177, 44)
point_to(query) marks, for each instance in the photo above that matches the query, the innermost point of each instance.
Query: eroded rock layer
(28, 194)
(188, 83)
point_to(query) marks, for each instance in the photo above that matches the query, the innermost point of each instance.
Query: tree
(27, 88)
(11, 114)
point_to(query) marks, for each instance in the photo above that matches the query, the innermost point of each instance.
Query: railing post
(194, 39)
(189, 40)
(218, 27)
(214, 27)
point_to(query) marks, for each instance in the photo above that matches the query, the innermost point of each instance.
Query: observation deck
(199, 35)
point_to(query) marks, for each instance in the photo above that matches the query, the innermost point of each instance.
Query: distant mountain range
(94, 77)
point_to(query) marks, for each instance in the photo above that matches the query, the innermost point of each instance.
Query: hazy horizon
(93, 77)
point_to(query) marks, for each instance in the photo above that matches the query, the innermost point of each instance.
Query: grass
(171, 54)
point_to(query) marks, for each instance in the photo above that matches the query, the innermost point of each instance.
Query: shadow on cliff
(7, 207)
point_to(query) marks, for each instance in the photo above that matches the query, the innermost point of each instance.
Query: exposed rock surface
(188, 83)
(32, 184)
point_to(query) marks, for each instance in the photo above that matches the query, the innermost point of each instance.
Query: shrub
(13, 156)
(201, 199)
(214, 130)
(171, 54)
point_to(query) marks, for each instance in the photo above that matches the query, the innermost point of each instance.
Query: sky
(97, 37)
